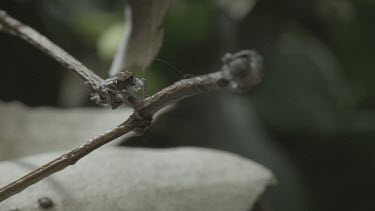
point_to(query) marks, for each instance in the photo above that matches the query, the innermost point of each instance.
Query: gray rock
(133, 179)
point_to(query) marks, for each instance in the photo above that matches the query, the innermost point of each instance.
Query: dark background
(311, 121)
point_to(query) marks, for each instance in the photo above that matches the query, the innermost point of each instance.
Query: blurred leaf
(143, 39)
(189, 22)
(91, 25)
(304, 89)
(132, 179)
(336, 11)
(26, 131)
(109, 41)
(237, 9)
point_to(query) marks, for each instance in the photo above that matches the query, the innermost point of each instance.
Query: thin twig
(63, 161)
(15, 27)
(240, 72)
(242, 64)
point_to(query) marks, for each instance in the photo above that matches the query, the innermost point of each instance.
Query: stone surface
(119, 178)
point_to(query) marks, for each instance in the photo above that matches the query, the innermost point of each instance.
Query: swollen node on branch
(240, 72)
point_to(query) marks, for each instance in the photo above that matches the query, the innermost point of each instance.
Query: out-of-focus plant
(140, 43)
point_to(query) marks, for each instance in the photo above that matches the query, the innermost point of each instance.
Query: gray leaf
(185, 179)
(143, 34)
(26, 131)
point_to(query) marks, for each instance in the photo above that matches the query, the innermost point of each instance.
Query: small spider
(119, 90)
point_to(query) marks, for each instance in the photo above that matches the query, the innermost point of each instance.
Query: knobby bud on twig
(240, 72)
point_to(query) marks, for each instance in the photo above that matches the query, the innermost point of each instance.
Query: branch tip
(242, 71)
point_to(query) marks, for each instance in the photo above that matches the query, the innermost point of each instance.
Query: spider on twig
(120, 90)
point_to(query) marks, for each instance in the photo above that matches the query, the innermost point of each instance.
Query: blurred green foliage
(312, 120)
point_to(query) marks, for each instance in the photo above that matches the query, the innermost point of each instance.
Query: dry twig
(16, 28)
(240, 72)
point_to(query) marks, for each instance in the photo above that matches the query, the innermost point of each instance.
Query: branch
(63, 161)
(240, 72)
(16, 28)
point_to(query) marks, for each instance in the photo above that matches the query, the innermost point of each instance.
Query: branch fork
(119, 90)
(240, 72)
